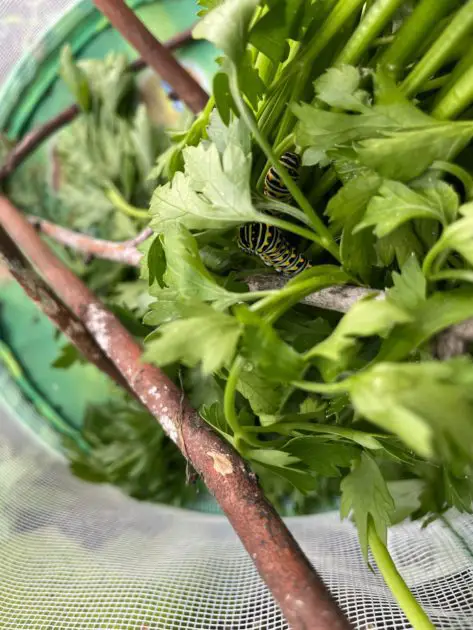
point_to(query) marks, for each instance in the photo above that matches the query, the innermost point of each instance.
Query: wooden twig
(301, 594)
(124, 252)
(154, 53)
(38, 291)
(35, 138)
(337, 298)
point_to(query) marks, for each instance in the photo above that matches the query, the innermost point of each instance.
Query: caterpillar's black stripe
(266, 241)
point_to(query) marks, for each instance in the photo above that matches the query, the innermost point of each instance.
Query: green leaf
(400, 244)
(167, 308)
(406, 495)
(396, 204)
(415, 402)
(340, 88)
(405, 155)
(215, 415)
(270, 33)
(262, 346)
(410, 286)
(209, 338)
(223, 98)
(227, 27)
(437, 313)
(187, 275)
(366, 318)
(248, 77)
(365, 494)
(156, 260)
(214, 193)
(207, 5)
(263, 396)
(222, 134)
(75, 79)
(272, 457)
(67, 356)
(346, 209)
(321, 456)
(302, 480)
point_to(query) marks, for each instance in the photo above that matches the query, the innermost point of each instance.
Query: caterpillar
(269, 243)
(266, 241)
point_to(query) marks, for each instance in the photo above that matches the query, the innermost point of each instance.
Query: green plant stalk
(457, 99)
(452, 274)
(338, 17)
(461, 67)
(430, 258)
(435, 84)
(120, 203)
(435, 57)
(370, 27)
(324, 237)
(229, 400)
(320, 388)
(280, 301)
(295, 229)
(416, 27)
(460, 173)
(406, 600)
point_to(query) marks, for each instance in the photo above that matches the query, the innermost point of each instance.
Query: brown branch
(124, 252)
(35, 138)
(454, 341)
(337, 298)
(39, 292)
(301, 594)
(154, 53)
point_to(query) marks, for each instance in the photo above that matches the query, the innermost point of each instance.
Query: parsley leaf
(365, 493)
(208, 337)
(415, 402)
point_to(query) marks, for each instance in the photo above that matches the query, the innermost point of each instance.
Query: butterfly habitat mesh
(76, 555)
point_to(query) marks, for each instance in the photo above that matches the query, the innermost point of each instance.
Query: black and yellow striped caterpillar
(266, 241)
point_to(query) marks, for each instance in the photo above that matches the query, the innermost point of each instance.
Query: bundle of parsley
(376, 97)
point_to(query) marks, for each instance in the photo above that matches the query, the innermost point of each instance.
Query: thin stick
(154, 53)
(301, 594)
(36, 137)
(39, 292)
(124, 252)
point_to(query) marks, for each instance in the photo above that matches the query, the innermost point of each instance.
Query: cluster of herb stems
(273, 126)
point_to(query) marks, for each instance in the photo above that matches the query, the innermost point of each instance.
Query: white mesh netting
(22, 23)
(75, 555)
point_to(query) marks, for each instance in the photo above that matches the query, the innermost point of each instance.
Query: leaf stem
(229, 400)
(398, 587)
(438, 53)
(325, 238)
(460, 173)
(416, 27)
(121, 204)
(320, 388)
(464, 275)
(369, 28)
(457, 99)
